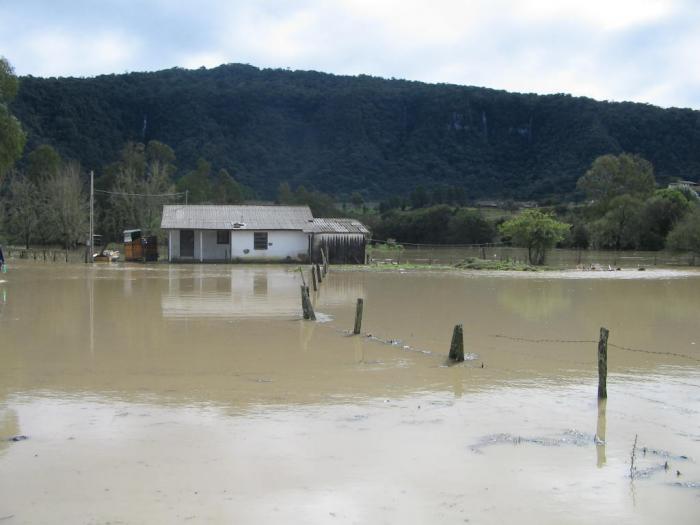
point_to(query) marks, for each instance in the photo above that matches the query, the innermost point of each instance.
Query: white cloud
(61, 53)
(641, 50)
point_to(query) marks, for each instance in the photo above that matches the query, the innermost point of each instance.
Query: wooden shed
(138, 248)
(343, 240)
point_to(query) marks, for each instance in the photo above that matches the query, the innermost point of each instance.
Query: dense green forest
(340, 134)
(43, 187)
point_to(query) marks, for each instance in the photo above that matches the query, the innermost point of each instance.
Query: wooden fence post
(325, 262)
(318, 273)
(306, 307)
(313, 278)
(603, 363)
(358, 317)
(66, 255)
(457, 345)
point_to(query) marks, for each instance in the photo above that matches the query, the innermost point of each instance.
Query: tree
(535, 231)
(619, 228)
(356, 199)
(23, 209)
(284, 194)
(419, 198)
(42, 162)
(138, 181)
(66, 208)
(470, 227)
(228, 190)
(659, 215)
(197, 183)
(12, 137)
(613, 175)
(160, 154)
(686, 234)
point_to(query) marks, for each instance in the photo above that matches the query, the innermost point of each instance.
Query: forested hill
(339, 134)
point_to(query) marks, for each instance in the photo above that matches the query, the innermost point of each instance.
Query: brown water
(164, 394)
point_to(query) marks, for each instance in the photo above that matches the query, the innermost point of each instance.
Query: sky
(638, 50)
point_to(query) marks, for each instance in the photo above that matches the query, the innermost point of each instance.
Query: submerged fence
(450, 255)
(53, 255)
(456, 349)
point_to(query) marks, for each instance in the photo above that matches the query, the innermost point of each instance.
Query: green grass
(472, 263)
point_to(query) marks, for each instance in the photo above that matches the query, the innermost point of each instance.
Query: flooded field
(558, 258)
(167, 394)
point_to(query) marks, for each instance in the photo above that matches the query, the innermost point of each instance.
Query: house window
(222, 237)
(260, 240)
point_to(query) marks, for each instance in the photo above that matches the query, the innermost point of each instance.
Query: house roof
(214, 217)
(339, 226)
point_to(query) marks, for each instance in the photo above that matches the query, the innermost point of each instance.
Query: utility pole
(92, 211)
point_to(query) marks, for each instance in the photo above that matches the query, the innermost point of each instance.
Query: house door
(186, 243)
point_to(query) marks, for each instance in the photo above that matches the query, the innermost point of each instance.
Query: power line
(140, 194)
(440, 245)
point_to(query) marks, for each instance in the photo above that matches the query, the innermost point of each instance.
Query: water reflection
(244, 293)
(535, 300)
(236, 293)
(600, 433)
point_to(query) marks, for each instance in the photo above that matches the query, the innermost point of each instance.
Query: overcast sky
(640, 50)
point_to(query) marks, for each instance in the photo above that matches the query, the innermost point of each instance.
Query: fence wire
(593, 341)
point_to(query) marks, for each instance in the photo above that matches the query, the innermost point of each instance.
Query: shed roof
(214, 217)
(336, 225)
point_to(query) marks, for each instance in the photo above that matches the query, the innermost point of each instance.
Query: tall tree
(197, 183)
(659, 215)
(686, 234)
(12, 137)
(228, 190)
(284, 194)
(139, 181)
(66, 207)
(613, 175)
(42, 163)
(23, 209)
(619, 227)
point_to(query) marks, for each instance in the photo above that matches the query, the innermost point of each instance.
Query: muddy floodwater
(196, 394)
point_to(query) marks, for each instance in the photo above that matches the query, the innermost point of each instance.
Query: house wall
(281, 245)
(213, 251)
(174, 244)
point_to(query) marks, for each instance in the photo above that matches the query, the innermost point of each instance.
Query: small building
(239, 233)
(343, 240)
(685, 185)
(140, 248)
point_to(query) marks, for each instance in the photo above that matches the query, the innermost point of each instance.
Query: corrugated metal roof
(214, 217)
(339, 226)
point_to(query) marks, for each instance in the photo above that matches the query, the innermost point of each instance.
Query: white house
(212, 233)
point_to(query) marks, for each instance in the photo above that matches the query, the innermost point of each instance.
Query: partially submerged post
(603, 363)
(324, 258)
(457, 345)
(306, 306)
(313, 277)
(358, 317)
(318, 273)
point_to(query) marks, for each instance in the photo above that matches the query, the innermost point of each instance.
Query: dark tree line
(340, 135)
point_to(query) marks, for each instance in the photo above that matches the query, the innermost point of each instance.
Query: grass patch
(472, 263)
